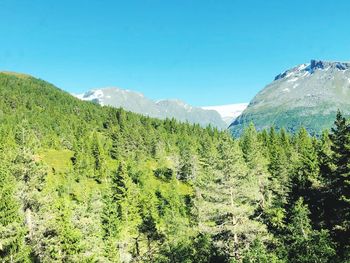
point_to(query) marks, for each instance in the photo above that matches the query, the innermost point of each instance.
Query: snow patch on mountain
(95, 95)
(228, 112)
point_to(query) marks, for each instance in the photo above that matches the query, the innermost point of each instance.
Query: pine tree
(285, 139)
(303, 243)
(339, 185)
(307, 169)
(111, 227)
(227, 201)
(325, 196)
(258, 166)
(187, 167)
(13, 247)
(69, 235)
(116, 151)
(96, 152)
(56, 239)
(32, 176)
(279, 169)
(125, 195)
(119, 185)
(325, 155)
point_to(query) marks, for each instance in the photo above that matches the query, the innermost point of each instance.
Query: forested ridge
(85, 183)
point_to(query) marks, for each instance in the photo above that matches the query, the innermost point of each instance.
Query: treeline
(84, 183)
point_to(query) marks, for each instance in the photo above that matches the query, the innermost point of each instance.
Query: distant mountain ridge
(307, 95)
(138, 103)
(228, 112)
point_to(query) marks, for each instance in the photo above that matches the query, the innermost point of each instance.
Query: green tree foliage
(280, 182)
(307, 169)
(85, 183)
(258, 175)
(338, 201)
(304, 243)
(258, 253)
(228, 202)
(12, 228)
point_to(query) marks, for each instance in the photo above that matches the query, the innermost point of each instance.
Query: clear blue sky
(203, 52)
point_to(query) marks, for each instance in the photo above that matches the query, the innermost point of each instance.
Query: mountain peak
(319, 64)
(310, 68)
(307, 95)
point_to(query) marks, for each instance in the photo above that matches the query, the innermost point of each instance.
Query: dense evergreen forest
(85, 183)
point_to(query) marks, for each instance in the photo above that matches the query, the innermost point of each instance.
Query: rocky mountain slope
(138, 103)
(307, 95)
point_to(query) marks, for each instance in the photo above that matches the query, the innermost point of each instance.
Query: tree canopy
(85, 183)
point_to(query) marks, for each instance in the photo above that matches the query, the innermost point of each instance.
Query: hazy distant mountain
(307, 95)
(228, 112)
(137, 102)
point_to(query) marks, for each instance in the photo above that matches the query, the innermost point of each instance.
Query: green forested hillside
(85, 183)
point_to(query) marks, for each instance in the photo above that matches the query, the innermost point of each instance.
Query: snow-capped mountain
(228, 112)
(306, 95)
(138, 103)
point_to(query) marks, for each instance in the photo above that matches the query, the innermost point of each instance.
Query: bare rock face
(307, 95)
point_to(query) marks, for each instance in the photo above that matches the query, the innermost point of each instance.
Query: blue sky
(203, 52)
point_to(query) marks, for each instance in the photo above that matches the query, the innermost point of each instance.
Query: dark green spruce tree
(339, 183)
